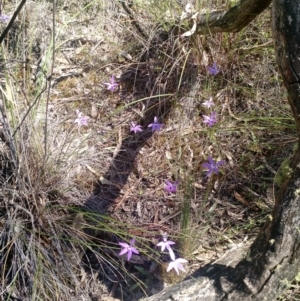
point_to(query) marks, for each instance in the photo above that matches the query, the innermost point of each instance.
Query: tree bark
(286, 30)
(233, 20)
(273, 260)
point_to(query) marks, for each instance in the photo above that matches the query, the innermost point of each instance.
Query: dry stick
(11, 22)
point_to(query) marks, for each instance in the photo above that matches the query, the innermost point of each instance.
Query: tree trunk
(273, 260)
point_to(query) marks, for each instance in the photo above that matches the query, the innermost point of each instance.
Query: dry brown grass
(63, 213)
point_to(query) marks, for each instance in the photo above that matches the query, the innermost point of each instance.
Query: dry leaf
(244, 202)
(241, 199)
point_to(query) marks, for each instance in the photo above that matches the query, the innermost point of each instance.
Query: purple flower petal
(166, 244)
(171, 187)
(177, 265)
(134, 250)
(4, 18)
(156, 126)
(212, 166)
(123, 251)
(112, 86)
(171, 252)
(124, 245)
(162, 245)
(81, 120)
(208, 103)
(210, 120)
(135, 128)
(213, 70)
(129, 254)
(129, 249)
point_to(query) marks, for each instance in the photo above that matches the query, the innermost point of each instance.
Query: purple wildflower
(112, 86)
(81, 120)
(177, 265)
(4, 18)
(210, 120)
(156, 126)
(208, 103)
(171, 187)
(129, 249)
(135, 128)
(166, 244)
(212, 166)
(214, 70)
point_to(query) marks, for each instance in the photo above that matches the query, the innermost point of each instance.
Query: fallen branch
(233, 20)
